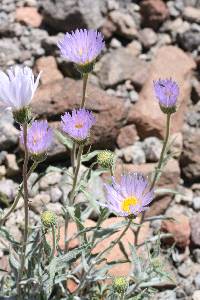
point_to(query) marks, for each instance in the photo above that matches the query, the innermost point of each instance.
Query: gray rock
(193, 116)
(134, 96)
(185, 269)
(11, 164)
(55, 207)
(196, 254)
(33, 186)
(119, 66)
(64, 16)
(192, 14)
(8, 188)
(8, 133)
(49, 43)
(55, 194)
(196, 295)
(115, 43)
(49, 179)
(9, 51)
(133, 154)
(189, 40)
(148, 37)
(196, 203)
(39, 202)
(166, 295)
(197, 281)
(195, 230)
(152, 147)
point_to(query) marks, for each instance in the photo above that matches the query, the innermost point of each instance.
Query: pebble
(55, 194)
(196, 254)
(184, 269)
(196, 203)
(152, 147)
(196, 295)
(49, 179)
(197, 281)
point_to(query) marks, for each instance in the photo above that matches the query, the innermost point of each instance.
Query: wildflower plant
(40, 267)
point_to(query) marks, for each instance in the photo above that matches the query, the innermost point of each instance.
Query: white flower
(17, 87)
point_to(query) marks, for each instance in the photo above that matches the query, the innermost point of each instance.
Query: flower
(130, 197)
(82, 47)
(120, 284)
(78, 124)
(17, 87)
(167, 92)
(106, 159)
(48, 218)
(39, 138)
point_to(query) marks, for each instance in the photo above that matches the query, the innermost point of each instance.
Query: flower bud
(48, 219)
(22, 116)
(106, 159)
(120, 285)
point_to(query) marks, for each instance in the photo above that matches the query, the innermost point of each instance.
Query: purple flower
(167, 92)
(78, 124)
(82, 46)
(39, 137)
(17, 87)
(130, 197)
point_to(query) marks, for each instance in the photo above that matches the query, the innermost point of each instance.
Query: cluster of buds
(48, 219)
(120, 285)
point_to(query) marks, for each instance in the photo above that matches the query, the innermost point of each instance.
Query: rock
(28, 16)
(119, 66)
(154, 13)
(152, 147)
(127, 136)
(134, 97)
(64, 16)
(49, 69)
(115, 43)
(133, 154)
(124, 24)
(8, 133)
(176, 140)
(55, 207)
(55, 194)
(39, 202)
(2, 171)
(190, 156)
(193, 116)
(148, 37)
(191, 14)
(108, 28)
(196, 295)
(49, 179)
(33, 186)
(63, 95)
(196, 203)
(135, 48)
(11, 163)
(49, 43)
(167, 295)
(197, 281)
(196, 254)
(9, 51)
(195, 96)
(189, 40)
(195, 230)
(8, 188)
(169, 62)
(180, 229)
(185, 268)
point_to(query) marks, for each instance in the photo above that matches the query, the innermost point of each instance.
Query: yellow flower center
(127, 202)
(79, 125)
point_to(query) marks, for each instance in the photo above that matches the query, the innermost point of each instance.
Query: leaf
(89, 156)
(63, 139)
(162, 191)
(5, 234)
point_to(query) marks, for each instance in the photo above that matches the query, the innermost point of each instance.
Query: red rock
(57, 97)
(146, 114)
(28, 16)
(127, 136)
(153, 12)
(180, 229)
(49, 69)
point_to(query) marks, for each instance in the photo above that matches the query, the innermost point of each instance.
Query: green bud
(85, 68)
(106, 159)
(120, 284)
(39, 157)
(48, 219)
(22, 116)
(168, 110)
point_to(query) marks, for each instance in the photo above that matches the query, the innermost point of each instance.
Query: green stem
(111, 246)
(157, 171)
(14, 205)
(26, 208)
(54, 243)
(85, 79)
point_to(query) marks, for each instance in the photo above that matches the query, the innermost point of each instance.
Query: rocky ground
(145, 40)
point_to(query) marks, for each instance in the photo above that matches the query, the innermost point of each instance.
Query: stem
(101, 253)
(54, 243)
(85, 78)
(157, 171)
(33, 167)
(26, 208)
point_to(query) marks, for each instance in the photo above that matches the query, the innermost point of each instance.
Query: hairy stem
(85, 79)
(54, 242)
(157, 171)
(26, 208)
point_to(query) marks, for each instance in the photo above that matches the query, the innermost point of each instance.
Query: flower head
(48, 218)
(130, 197)
(82, 47)
(167, 92)
(39, 138)
(17, 87)
(120, 284)
(78, 124)
(106, 158)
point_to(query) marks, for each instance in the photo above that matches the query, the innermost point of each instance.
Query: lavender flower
(167, 92)
(82, 47)
(130, 197)
(39, 137)
(78, 124)
(17, 88)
